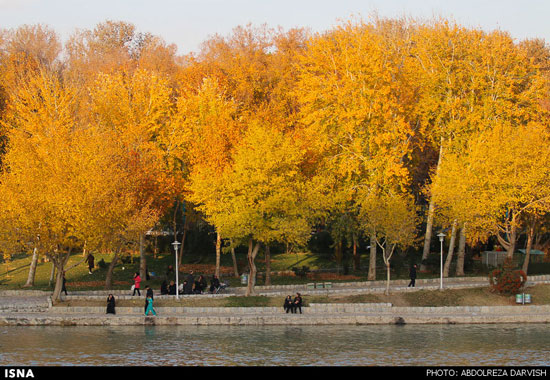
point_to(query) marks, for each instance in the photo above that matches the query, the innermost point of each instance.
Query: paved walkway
(22, 298)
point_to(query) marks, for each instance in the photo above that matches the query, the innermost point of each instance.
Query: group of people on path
(191, 285)
(291, 305)
(148, 308)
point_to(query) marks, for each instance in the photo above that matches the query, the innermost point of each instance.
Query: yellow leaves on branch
(67, 180)
(263, 195)
(353, 96)
(504, 170)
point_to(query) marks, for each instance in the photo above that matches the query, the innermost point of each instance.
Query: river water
(387, 345)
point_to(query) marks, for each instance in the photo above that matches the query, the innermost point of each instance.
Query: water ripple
(426, 345)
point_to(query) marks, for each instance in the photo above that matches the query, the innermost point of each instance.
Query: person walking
(111, 304)
(412, 275)
(297, 303)
(288, 304)
(137, 282)
(64, 287)
(148, 294)
(149, 308)
(90, 260)
(188, 289)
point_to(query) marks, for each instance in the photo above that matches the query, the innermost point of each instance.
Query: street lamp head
(441, 236)
(176, 245)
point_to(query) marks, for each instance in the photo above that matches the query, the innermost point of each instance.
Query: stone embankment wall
(315, 314)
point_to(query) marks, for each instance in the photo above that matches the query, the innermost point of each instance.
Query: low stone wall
(281, 318)
(24, 293)
(313, 309)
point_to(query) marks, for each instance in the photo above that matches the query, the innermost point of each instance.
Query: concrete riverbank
(326, 314)
(34, 308)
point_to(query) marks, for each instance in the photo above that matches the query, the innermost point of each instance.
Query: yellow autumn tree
(391, 219)
(44, 184)
(501, 178)
(355, 95)
(262, 198)
(204, 131)
(135, 108)
(66, 183)
(469, 81)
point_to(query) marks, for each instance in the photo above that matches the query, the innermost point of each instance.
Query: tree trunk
(387, 261)
(428, 236)
(180, 256)
(356, 257)
(252, 252)
(338, 254)
(430, 219)
(142, 258)
(461, 252)
(387, 278)
(511, 235)
(32, 269)
(530, 235)
(447, 266)
(234, 258)
(56, 296)
(267, 265)
(513, 238)
(372, 262)
(110, 270)
(60, 262)
(218, 253)
(52, 275)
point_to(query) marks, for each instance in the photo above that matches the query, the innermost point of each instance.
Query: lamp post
(441, 236)
(176, 245)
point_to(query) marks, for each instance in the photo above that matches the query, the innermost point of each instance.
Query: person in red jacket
(137, 281)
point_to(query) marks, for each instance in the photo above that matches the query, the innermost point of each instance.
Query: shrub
(102, 264)
(125, 258)
(539, 268)
(507, 280)
(432, 263)
(301, 272)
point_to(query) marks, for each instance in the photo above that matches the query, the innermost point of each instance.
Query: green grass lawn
(13, 274)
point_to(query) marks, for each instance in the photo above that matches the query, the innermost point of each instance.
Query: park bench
(319, 285)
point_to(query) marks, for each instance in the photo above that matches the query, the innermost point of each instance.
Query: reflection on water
(426, 345)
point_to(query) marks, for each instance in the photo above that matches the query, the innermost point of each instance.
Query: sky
(187, 23)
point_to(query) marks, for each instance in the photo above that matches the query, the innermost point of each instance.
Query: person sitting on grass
(172, 288)
(214, 284)
(200, 285)
(164, 288)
